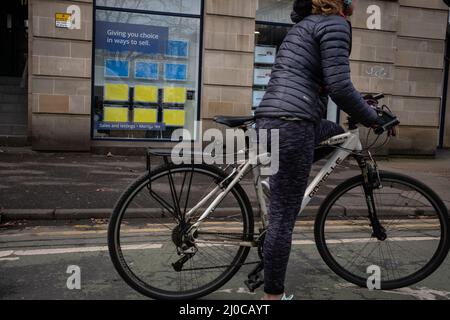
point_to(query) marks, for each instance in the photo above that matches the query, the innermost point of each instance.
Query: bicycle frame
(349, 143)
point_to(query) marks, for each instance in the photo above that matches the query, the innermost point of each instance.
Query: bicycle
(183, 231)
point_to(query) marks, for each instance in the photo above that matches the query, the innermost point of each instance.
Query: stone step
(13, 118)
(13, 98)
(21, 108)
(13, 90)
(10, 81)
(20, 140)
(12, 129)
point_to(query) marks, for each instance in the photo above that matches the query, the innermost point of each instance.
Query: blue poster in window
(146, 70)
(127, 37)
(117, 68)
(175, 72)
(178, 48)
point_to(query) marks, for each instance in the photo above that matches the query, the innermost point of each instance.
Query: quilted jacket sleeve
(334, 37)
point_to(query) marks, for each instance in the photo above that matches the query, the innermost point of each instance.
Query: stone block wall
(404, 60)
(229, 42)
(60, 77)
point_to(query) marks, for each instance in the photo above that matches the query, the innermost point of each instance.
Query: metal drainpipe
(444, 93)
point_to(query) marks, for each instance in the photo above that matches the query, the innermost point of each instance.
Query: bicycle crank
(255, 278)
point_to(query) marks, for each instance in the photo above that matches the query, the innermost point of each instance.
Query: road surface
(35, 257)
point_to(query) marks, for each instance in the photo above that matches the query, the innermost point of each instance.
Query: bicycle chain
(225, 234)
(219, 267)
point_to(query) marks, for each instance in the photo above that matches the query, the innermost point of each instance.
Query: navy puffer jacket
(315, 53)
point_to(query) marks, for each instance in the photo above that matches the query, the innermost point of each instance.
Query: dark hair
(301, 9)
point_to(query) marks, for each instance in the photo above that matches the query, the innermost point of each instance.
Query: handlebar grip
(391, 124)
(378, 96)
(387, 125)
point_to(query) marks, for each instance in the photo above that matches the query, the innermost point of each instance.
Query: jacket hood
(301, 9)
(295, 17)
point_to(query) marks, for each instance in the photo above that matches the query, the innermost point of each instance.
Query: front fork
(372, 181)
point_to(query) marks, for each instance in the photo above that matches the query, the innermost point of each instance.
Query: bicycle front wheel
(148, 240)
(416, 223)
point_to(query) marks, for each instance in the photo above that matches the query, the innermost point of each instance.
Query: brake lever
(392, 132)
(387, 126)
(375, 98)
(378, 96)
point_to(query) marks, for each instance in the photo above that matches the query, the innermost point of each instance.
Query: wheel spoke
(412, 223)
(157, 232)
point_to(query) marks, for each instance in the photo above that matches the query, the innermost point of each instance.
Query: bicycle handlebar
(391, 122)
(388, 119)
(378, 96)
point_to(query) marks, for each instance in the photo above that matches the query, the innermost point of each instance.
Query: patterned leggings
(297, 140)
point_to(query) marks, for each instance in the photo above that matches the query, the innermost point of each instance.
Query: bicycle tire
(437, 258)
(145, 288)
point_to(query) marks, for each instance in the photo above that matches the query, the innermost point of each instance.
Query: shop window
(146, 68)
(275, 11)
(272, 25)
(273, 22)
(168, 6)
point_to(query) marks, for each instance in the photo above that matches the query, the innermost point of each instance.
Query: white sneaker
(285, 297)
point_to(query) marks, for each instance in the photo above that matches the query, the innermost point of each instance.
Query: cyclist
(312, 63)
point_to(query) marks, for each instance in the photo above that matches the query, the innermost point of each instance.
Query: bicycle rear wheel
(416, 223)
(147, 240)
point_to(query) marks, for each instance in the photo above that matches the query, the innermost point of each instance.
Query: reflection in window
(268, 40)
(273, 23)
(146, 73)
(278, 11)
(172, 6)
(270, 35)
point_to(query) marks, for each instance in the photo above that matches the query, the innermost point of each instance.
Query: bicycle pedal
(254, 283)
(255, 278)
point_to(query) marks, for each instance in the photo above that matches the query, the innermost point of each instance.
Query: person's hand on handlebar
(371, 100)
(386, 122)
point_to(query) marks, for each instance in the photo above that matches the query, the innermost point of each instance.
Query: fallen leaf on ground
(99, 221)
(9, 224)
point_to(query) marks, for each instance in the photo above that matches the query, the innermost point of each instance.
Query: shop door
(13, 78)
(13, 17)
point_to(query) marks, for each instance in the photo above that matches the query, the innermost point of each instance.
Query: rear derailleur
(186, 247)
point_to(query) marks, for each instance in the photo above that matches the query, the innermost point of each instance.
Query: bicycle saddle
(233, 121)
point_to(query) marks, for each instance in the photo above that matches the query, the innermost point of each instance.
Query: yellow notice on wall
(115, 114)
(63, 20)
(174, 117)
(147, 94)
(142, 115)
(174, 95)
(116, 92)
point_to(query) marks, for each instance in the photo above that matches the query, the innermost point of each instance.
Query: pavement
(75, 186)
(54, 210)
